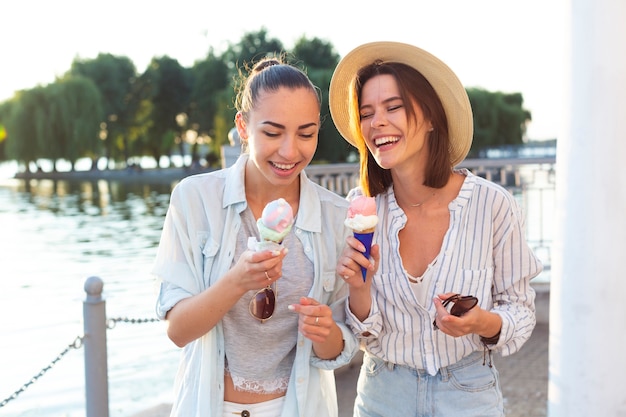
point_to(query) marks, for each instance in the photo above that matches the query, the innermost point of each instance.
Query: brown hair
(269, 74)
(414, 88)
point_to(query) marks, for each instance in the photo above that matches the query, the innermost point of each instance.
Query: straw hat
(446, 84)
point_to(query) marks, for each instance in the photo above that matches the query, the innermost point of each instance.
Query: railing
(340, 178)
(94, 340)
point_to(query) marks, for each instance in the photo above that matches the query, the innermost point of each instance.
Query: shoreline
(125, 174)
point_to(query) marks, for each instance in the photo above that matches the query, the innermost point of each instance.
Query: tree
(252, 47)
(499, 119)
(114, 76)
(167, 85)
(210, 80)
(22, 145)
(73, 126)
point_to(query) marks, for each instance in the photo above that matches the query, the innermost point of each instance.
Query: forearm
(332, 346)
(489, 325)
(360, 302)
(195, 316)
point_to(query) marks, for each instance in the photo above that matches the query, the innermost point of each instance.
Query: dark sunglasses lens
(263, 303)
(462, 305)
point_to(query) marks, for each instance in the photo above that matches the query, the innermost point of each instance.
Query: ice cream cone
(274, 224)
(362, 219)
(365, 237)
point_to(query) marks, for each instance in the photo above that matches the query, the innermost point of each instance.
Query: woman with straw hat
(451, 270)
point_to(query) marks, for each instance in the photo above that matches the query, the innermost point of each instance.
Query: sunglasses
(263, 303)
(461, 305)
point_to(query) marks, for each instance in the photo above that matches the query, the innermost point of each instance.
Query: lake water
(54, 235)
(52, 238)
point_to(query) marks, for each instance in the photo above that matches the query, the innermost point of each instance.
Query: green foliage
(28, 107)
(78, 112)
(499, 119)
(104, 101)
(252, 47)
(170, 91)
(114, 76)
(210, 78)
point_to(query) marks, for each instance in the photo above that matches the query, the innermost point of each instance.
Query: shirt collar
(234, 186)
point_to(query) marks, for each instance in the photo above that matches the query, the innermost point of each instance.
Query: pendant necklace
(427, 198)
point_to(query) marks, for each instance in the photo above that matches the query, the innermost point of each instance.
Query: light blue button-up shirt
(197, 248)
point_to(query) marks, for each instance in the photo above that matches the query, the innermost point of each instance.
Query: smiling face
(281, 132)
(394, 139)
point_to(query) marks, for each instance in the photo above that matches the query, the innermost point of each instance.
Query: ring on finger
(317, 320)
(267, 276)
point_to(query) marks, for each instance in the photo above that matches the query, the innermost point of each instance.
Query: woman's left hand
(315, 320)
(476, 320)
(452, 325)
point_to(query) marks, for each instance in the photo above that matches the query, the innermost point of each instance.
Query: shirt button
(300, 380)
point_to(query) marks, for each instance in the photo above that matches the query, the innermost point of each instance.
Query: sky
(498, 45)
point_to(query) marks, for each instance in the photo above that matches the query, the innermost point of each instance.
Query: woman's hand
(351, 261)
(349, 268)
(255, 270)
(315, 322)
(475, 320)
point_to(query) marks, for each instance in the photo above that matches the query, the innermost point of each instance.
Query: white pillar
(587, 375)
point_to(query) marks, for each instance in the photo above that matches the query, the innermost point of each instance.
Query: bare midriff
(245, 397)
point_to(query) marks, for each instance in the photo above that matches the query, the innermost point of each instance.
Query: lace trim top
(259, 356)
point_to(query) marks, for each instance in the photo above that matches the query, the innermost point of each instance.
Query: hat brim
(445, 82)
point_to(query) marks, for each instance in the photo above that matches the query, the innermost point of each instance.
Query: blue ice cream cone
(366, 240)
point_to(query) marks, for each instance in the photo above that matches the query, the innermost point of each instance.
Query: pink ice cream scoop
(362, 214)
(276, 220)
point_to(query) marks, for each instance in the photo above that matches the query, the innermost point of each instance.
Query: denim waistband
(468, 360)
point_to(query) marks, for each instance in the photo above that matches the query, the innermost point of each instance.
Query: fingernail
(291, 307)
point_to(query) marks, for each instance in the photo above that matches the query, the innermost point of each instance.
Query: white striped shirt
(484, 253)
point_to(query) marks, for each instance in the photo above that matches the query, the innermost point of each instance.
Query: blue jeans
(464, 389)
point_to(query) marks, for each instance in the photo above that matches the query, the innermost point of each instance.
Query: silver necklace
(427, 198)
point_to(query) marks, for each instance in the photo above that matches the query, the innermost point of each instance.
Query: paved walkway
(523, 376)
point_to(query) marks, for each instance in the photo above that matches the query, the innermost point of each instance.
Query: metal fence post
(95, 343)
